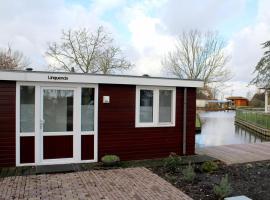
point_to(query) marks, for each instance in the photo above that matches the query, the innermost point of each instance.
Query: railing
(254, 116)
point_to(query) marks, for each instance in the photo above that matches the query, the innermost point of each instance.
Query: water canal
(218, 128)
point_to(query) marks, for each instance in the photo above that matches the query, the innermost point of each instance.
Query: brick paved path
(130, 183)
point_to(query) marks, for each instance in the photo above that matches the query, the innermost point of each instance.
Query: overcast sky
(145, 30)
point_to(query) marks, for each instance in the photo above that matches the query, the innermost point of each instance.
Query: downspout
(185, 122)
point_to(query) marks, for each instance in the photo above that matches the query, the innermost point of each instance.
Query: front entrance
(65, 123)
(57, 123)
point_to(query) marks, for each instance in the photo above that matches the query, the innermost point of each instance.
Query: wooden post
(266, 100)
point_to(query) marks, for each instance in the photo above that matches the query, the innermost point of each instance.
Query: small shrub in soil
(189, 173)
(172, 162)
(249, 165)
(209, 166)
(251, 181)
(110, 160)
(223, 189)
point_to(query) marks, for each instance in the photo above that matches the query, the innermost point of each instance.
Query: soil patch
(252, 180)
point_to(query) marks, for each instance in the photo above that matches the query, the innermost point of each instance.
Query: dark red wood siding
(7, 123)
(191, 116)
(117, 133)
(58, 147)
(27, 149)
(87, 147)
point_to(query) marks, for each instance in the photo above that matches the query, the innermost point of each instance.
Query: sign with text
(57, 78)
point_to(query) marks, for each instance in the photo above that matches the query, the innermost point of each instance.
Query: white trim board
(54, 77)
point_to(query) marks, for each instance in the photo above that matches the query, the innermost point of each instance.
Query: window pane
(87, 109)
(165, 105)
(58, 110)
(146, 105)
(27, 109)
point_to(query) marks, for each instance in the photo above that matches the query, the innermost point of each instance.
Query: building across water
(237, 101)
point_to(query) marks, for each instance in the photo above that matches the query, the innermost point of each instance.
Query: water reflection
(218, 129)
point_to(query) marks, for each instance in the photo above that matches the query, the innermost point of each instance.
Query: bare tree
(198, 56)
(87, 52)
(111, 60)
(11, 60)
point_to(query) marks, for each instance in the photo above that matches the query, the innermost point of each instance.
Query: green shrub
(249, 165)
(110, 160)
(223, 189)
(189, 173)
(209, 166)
(172, 162)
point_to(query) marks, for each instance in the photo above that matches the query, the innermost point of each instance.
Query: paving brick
(131, 183)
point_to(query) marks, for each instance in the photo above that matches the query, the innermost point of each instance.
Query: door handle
(42, 122)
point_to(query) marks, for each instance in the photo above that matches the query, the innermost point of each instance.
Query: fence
(255, 117)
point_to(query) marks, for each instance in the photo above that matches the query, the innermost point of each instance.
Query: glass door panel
(58, 110)
(57, 122)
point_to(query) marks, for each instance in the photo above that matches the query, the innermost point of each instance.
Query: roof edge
(47, 76)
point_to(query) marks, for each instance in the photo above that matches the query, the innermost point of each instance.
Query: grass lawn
(198, 122)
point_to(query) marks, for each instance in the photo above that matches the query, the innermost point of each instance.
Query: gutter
(185, 122)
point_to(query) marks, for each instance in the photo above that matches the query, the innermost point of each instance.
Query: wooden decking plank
(255, 150)
(217, 152)
(238, 153)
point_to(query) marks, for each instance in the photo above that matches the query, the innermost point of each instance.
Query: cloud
(246, 50)
(181, 15)
(153, 35)
(147, 41)
(29, 25)
(145, 30)
(237, 88)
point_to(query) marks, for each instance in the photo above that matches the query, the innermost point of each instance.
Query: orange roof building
(237, 101)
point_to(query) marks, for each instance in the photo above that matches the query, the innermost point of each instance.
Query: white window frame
(76, 126)
(155, 122)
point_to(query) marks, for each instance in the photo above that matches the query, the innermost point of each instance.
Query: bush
(209, 166)
(189, 173)
(172, 162)
(110, 160)
(223, 189)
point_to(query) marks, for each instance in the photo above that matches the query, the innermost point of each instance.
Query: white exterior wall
(201, 103)
(267, 101)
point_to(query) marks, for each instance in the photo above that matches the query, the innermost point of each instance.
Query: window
(27, 109)
(146, 105)
(165, 106)
(58, 110)
(87, 109)
(155, 107)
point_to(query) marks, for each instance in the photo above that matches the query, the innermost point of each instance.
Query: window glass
(87, 109)
(146, 105)
(58, 110)
(27, 109)
(165, 106)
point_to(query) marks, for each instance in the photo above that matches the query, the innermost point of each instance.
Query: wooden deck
(238, 153)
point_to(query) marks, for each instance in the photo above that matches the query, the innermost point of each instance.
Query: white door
(63, 121)
(57, 125)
